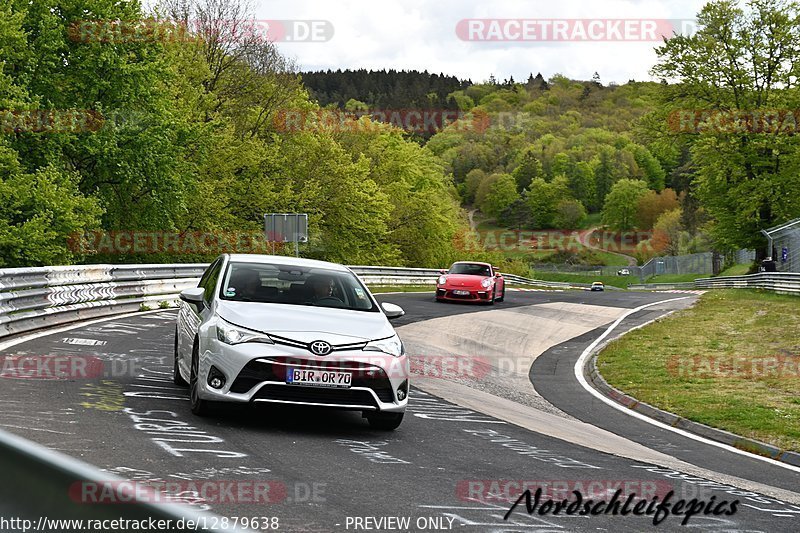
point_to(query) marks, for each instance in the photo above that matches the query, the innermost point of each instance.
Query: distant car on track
(623, 272)
(597, 286)
(469, 281)
(290, 331)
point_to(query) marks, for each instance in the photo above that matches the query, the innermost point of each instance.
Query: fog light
(216, 379)
(402, 391)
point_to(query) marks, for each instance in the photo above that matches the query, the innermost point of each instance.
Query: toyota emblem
(320, 348)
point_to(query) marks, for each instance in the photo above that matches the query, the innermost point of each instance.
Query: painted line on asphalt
(80, 324)
(578, 369)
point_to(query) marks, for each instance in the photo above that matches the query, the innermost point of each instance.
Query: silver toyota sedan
(261, 328)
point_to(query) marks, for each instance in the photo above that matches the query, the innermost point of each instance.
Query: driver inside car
(246, 284)
(321, 287)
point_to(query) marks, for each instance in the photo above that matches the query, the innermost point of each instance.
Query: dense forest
(384, 89)
(117, 131)
(187, 143)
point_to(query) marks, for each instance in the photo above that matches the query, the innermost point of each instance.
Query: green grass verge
(610, 259)
(616, 281)
(735, 270)
(675, 278)
(693, 364)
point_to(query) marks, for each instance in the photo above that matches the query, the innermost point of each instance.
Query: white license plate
(461, 293)
(318, 378)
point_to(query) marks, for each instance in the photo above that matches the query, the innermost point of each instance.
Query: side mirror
(193, 295)
(392, 311)
(442, 271)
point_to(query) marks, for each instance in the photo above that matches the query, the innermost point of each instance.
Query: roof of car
(472, 263)
(285, 260)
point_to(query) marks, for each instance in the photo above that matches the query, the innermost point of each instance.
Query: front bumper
(475, 295)
(255, 372)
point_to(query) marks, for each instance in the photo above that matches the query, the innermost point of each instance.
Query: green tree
(528, 169)
(619, 210)
(473, 181)
(741, 60)
(543, 199)
(668, 232)
(502, 193)
(570, 214)
(41, 215)
(606, 174)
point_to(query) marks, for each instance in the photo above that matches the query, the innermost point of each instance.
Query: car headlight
(392, 346)
(486, 283)
(442, 280)
(230, 334)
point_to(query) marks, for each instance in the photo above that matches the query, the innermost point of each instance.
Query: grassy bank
(674, 278)
(616, 281)
(727, 362)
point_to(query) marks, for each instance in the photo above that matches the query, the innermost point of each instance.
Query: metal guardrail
(372, 275)
(44, 488)
(779, 282)
(42, 483)
(660, 286)
(32, 298)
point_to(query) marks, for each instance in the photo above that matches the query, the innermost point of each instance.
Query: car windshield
(470, 268)
(294, 285)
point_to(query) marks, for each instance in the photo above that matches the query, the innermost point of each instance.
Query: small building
(784, 245)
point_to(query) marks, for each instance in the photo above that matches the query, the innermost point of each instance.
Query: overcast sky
(421, 34)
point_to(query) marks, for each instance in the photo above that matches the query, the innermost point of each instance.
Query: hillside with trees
(188, 141)
(383, 89)
(189, 134)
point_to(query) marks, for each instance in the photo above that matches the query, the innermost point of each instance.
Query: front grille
(292, 393)
(284, 341)
(258, 371)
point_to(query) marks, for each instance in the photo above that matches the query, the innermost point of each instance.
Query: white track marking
(578, 369)
(52, 331)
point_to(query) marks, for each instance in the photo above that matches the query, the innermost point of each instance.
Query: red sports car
(471, 282)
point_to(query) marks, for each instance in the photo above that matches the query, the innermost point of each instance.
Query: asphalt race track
(328, 471)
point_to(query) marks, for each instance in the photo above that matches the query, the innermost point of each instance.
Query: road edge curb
(593, 376)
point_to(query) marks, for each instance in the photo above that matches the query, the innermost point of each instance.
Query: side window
(207, 274)
(210, 282)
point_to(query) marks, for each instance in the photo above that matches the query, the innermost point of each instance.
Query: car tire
(385, 421)
(502, 295)
(177, 379)
(200, 407)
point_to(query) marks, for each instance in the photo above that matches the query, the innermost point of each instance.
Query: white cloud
(421, 35)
